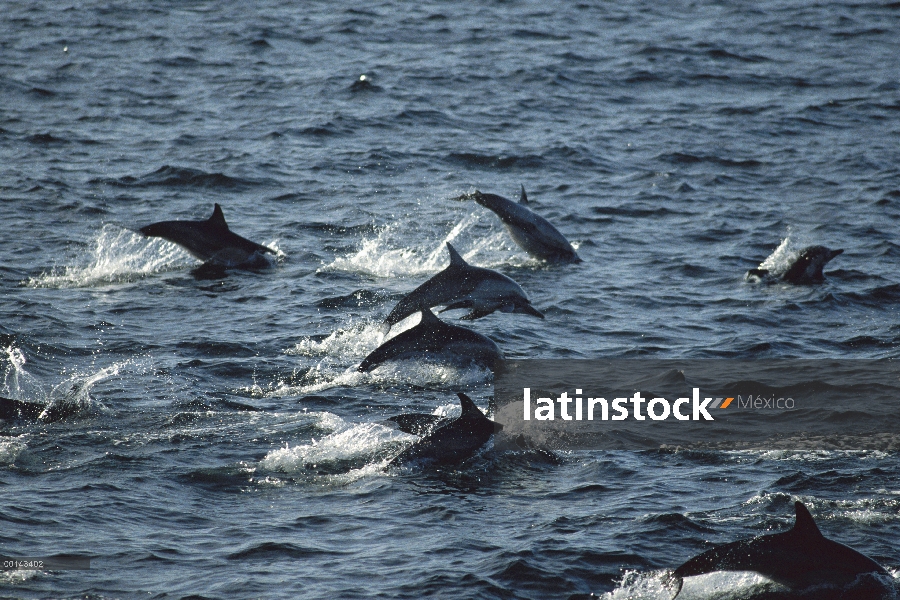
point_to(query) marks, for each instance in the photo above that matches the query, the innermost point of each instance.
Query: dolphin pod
(532, 232)
(806, 267)
(445, 441)
(211, 241)
(434, 337)
(798, 558)
(461, 285)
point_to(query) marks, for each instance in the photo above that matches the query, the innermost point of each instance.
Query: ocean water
(223, 445)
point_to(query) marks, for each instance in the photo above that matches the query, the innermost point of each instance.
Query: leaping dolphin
(431, 337)
(461, 285)
(447, 441)
(798, 558)
(806, 267)
(211, 241)
(532, 232)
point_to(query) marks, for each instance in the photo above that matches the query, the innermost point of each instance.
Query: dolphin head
(519, 304)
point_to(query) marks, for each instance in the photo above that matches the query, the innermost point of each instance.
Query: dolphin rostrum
(532, 232)
(798, 558)
(434, 337)
(805, 268)
(448, 441)
(461, 285)
(211, 241)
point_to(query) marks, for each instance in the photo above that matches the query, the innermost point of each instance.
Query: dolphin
(22, 410)
(533, 233)
(211, 241)
(461, 285)
(449, 441)
(806, 268)
(433, 336)
(798, 558)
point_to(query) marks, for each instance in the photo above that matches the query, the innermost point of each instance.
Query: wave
(170, 176)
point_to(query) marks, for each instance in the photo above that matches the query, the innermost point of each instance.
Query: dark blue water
(223, 445)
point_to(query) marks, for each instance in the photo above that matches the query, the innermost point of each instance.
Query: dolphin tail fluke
(523, 198)
(218, 218)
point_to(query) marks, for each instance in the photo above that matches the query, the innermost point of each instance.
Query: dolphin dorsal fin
(805, 525)
(523, 199)
(217, 218)
(469, 409)
(428, 317)
(455, 259)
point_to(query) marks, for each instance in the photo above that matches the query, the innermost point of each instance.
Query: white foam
(18, 383)
(389, 254)
(355, 340)
(348, 442)
(116, 255)
(11, 448)
(18, 576)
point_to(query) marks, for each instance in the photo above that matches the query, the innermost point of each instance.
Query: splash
(11, 448)
(784, 255)
(354, 341)
(359, 446)
(387, 254)
(653, 586)
(117, 255)
(18, 383)
(353, 344)
(75, 392)
(71, 396)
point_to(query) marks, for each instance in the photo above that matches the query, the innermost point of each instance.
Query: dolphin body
(799, 558)
(461, 285)
(532, 232)
(22, 410)
(433, 336)
(446, 441)
(806, 268)
(211, 241)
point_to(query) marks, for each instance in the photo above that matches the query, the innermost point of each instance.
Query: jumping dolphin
(806, 268)
(798, 558)
(461, 285)
(433, 336)
(533, 233)
(449, 441)
(211, 241)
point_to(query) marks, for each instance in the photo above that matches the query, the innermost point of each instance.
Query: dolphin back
(453, 441)
(209, 239)
(532, 232)
(797, 558)
(432, 335)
